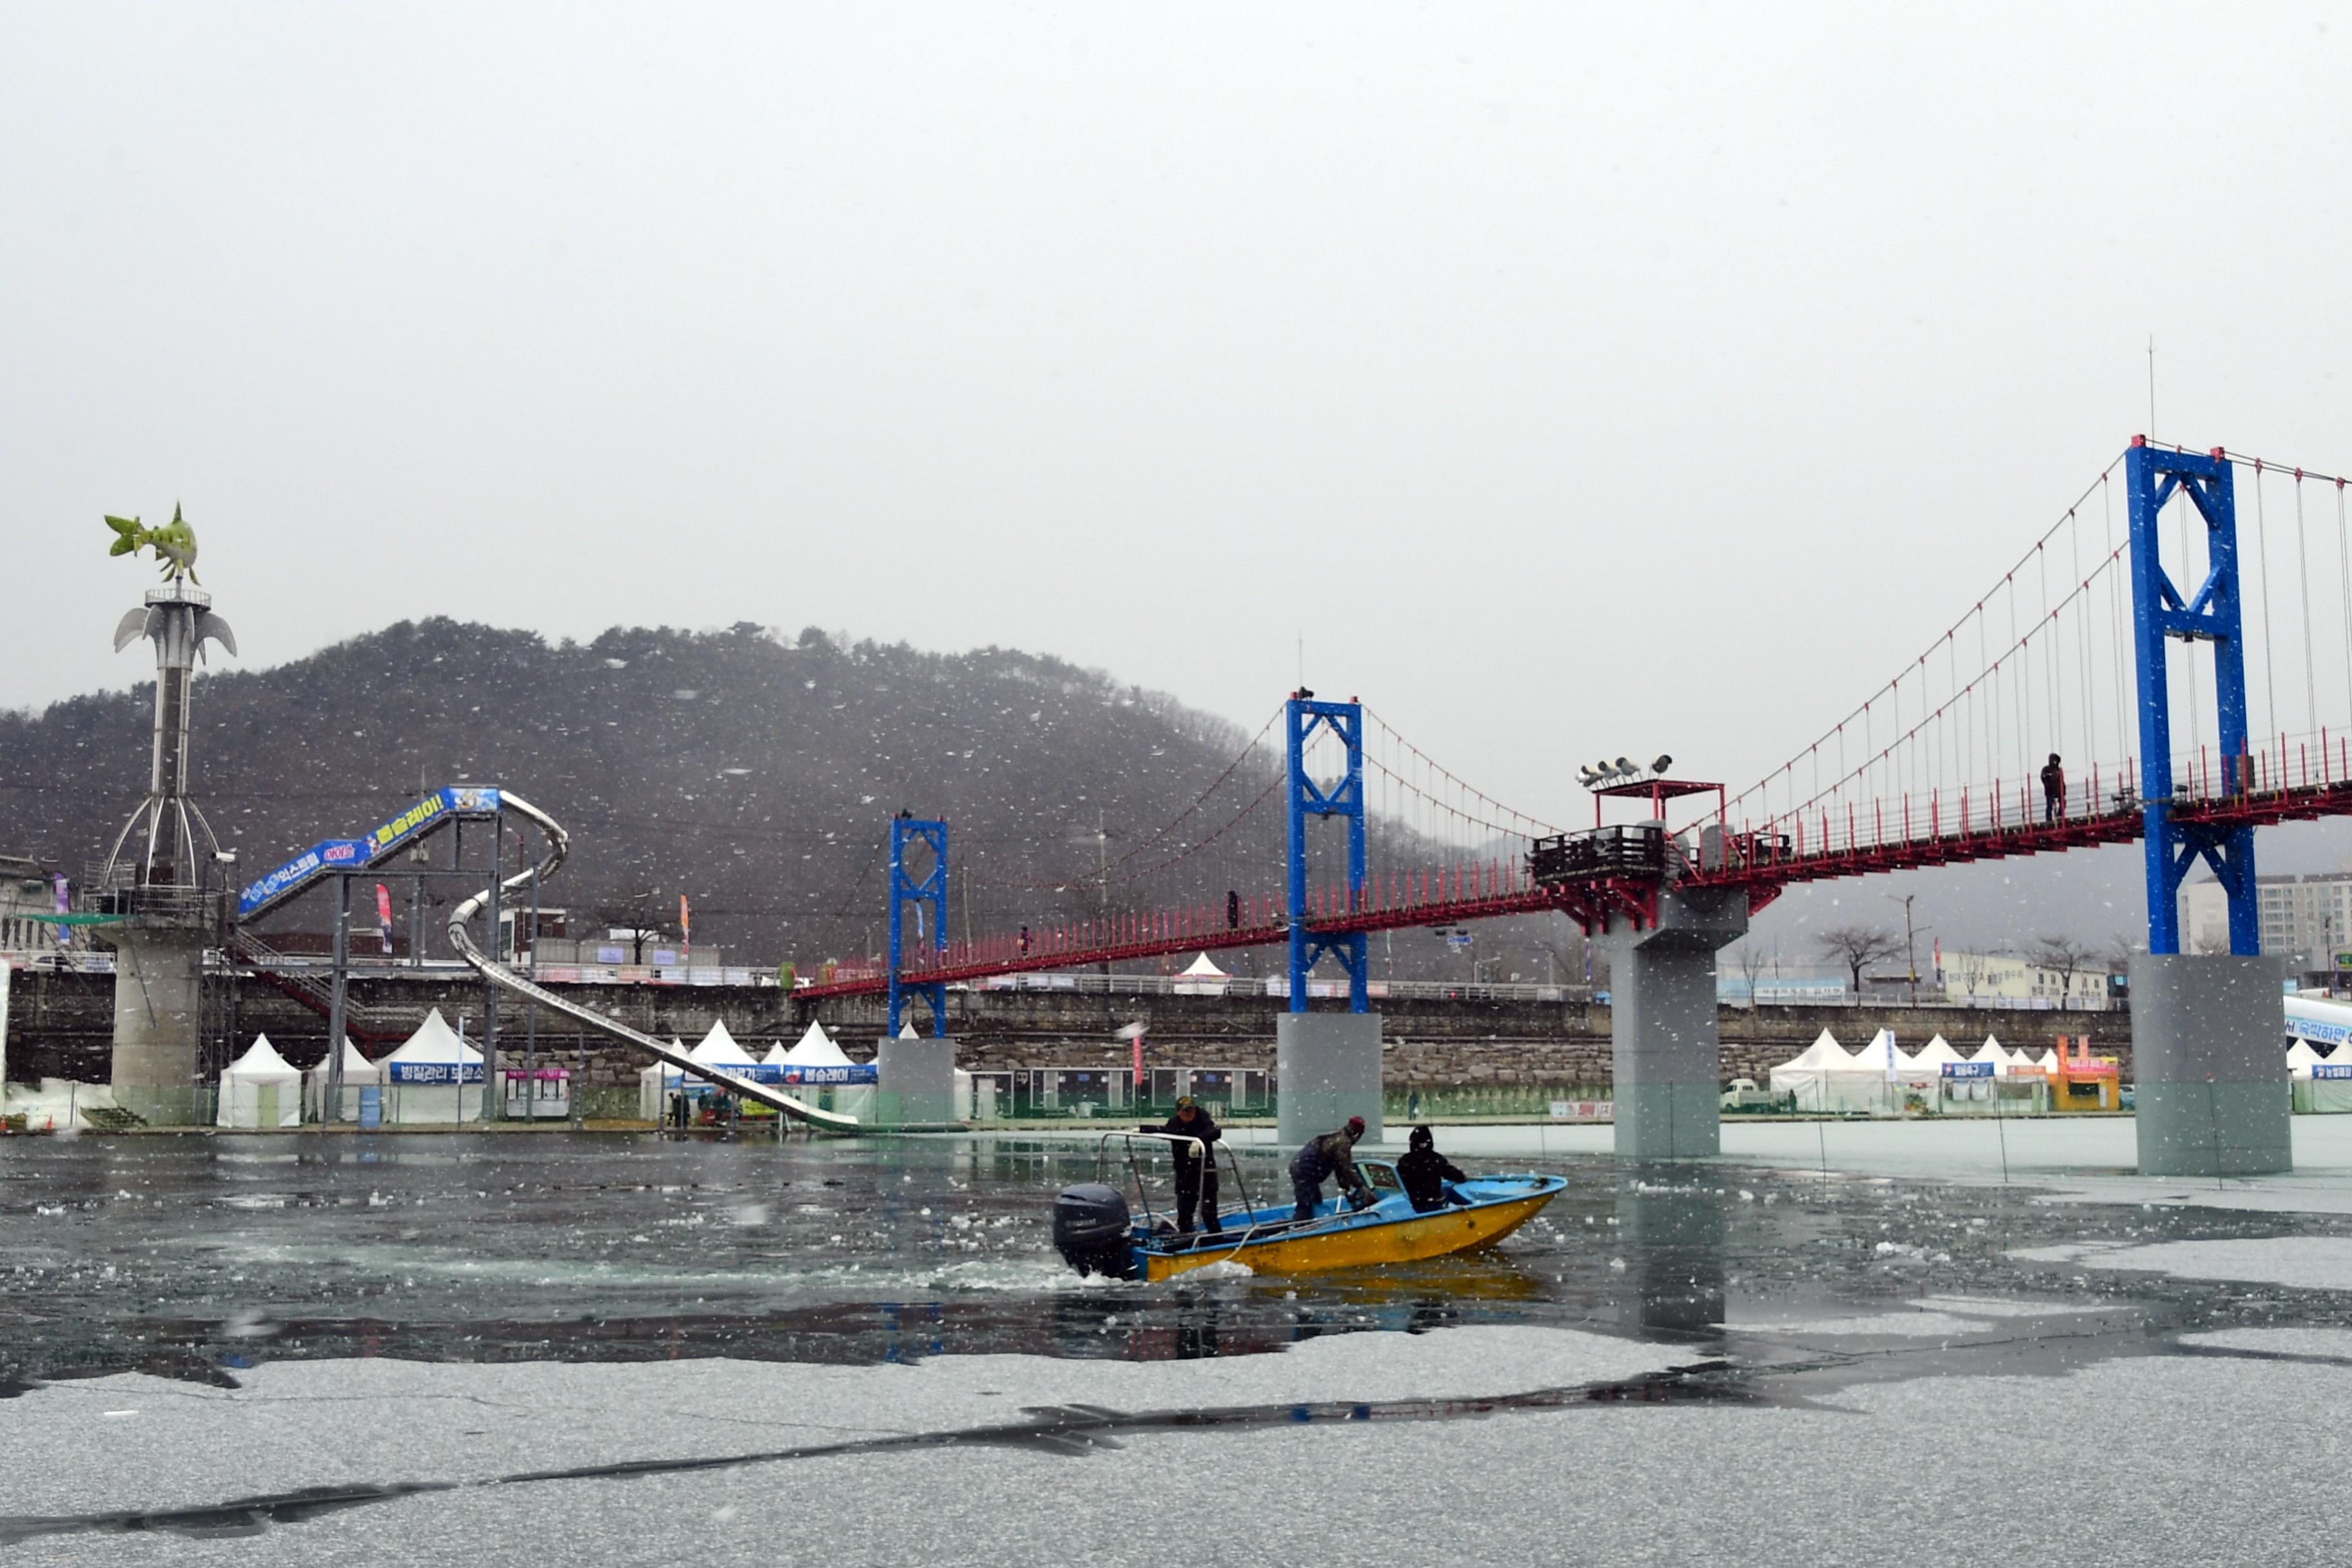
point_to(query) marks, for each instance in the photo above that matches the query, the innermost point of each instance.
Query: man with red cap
(1333, 1154)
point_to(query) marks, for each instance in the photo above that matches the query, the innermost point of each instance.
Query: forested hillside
(754, 772)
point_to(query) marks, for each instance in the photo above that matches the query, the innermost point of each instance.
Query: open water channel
(360, 1349)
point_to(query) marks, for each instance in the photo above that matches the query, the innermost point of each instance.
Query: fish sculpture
(174, 544)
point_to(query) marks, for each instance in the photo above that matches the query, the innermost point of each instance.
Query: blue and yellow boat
(1098, 1232)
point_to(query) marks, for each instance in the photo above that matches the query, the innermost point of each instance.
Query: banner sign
(2331, 1070)
(429, 813)
(384, 915)
(855, 1072)
(433, 1072)
(350, 854)
(1967, 1069)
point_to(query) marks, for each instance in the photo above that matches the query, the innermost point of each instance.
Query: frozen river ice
(1821, 1347)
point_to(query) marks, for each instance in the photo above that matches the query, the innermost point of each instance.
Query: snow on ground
(2297, 1262)
(2163, 1459)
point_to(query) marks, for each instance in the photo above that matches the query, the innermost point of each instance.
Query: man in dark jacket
(1196, 1174)
(1333, 1154)
(1425, 1173)
(2053, 789)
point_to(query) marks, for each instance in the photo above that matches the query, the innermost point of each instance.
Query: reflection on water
(1671, 1222)
(187, 1255)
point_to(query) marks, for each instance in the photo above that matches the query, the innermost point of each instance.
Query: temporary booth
(655, 1084)
(815, 1048)
(717, 1049)
(1826, 1078)
(1202, 979)
(260, 1090)
(1926, 1085)
(2319, 1083)
(433, 1076)
(358, 1074)
(535, 1094)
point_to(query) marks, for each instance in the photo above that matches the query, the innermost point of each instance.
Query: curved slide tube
(558, 844)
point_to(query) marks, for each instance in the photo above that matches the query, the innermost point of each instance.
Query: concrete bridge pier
(1328, 1067)
(915, 1083)
(158, 1072)
(1664, 1049)
(2213, 1097)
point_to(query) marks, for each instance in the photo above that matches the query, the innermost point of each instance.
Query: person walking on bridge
(1333, 1154)
(2053, 789)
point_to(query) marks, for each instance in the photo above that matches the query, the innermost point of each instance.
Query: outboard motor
(1091, 1231)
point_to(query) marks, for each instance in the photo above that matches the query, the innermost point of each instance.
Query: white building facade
(2305, 921)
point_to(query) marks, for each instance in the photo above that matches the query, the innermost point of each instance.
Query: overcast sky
(1574, 380)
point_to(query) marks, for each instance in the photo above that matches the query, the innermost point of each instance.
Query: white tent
(260, 1090)
(1824, 1078)
(2299, 1058)
(657, 1080)
(433, 1077)
(816, 1048)
(1202, 979)
(1880, 1056)
(717, 1049)
(1934, 1055)
(358, 1073)
(1990, 1051)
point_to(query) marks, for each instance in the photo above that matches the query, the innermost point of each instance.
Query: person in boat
(1333, 1154)
(1425, 1173)
(1196, 1174)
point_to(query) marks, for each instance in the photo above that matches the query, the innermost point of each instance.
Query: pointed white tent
(1879, 1056)
(433, 1077)
(777, 1056)
(1934, 1055)
(1991, 1051)
(2299, 1060)
(260, 1090)
(1826, 1077)
(816, 1048)
(1825, 1052)
(717, 1048)
(358, 1073)
(1202, 979)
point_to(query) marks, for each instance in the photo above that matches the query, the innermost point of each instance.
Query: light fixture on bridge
(1605, 774)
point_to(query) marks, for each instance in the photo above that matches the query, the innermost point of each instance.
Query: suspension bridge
(2183, 679)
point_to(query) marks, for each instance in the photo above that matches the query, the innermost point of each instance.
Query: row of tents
(1826, 1077)
(434, 1077)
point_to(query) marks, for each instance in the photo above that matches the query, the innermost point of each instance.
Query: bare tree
(1753, 961)
(1855, 946)
(2062, 953)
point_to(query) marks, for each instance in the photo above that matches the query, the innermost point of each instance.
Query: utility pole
(1910, 945)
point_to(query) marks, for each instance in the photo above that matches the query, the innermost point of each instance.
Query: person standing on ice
(1333, 1154)
(1196, 1174)
(2053, 789)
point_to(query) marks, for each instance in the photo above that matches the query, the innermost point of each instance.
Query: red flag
(685, 924)
(384, 914)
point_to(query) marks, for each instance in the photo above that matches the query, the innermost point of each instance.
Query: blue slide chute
(454, 803)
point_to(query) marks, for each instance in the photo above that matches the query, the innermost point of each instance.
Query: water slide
(445, 807)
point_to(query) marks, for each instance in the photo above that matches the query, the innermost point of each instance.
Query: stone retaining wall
(61, 1025)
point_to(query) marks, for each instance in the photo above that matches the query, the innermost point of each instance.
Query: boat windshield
(1380, 1174)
